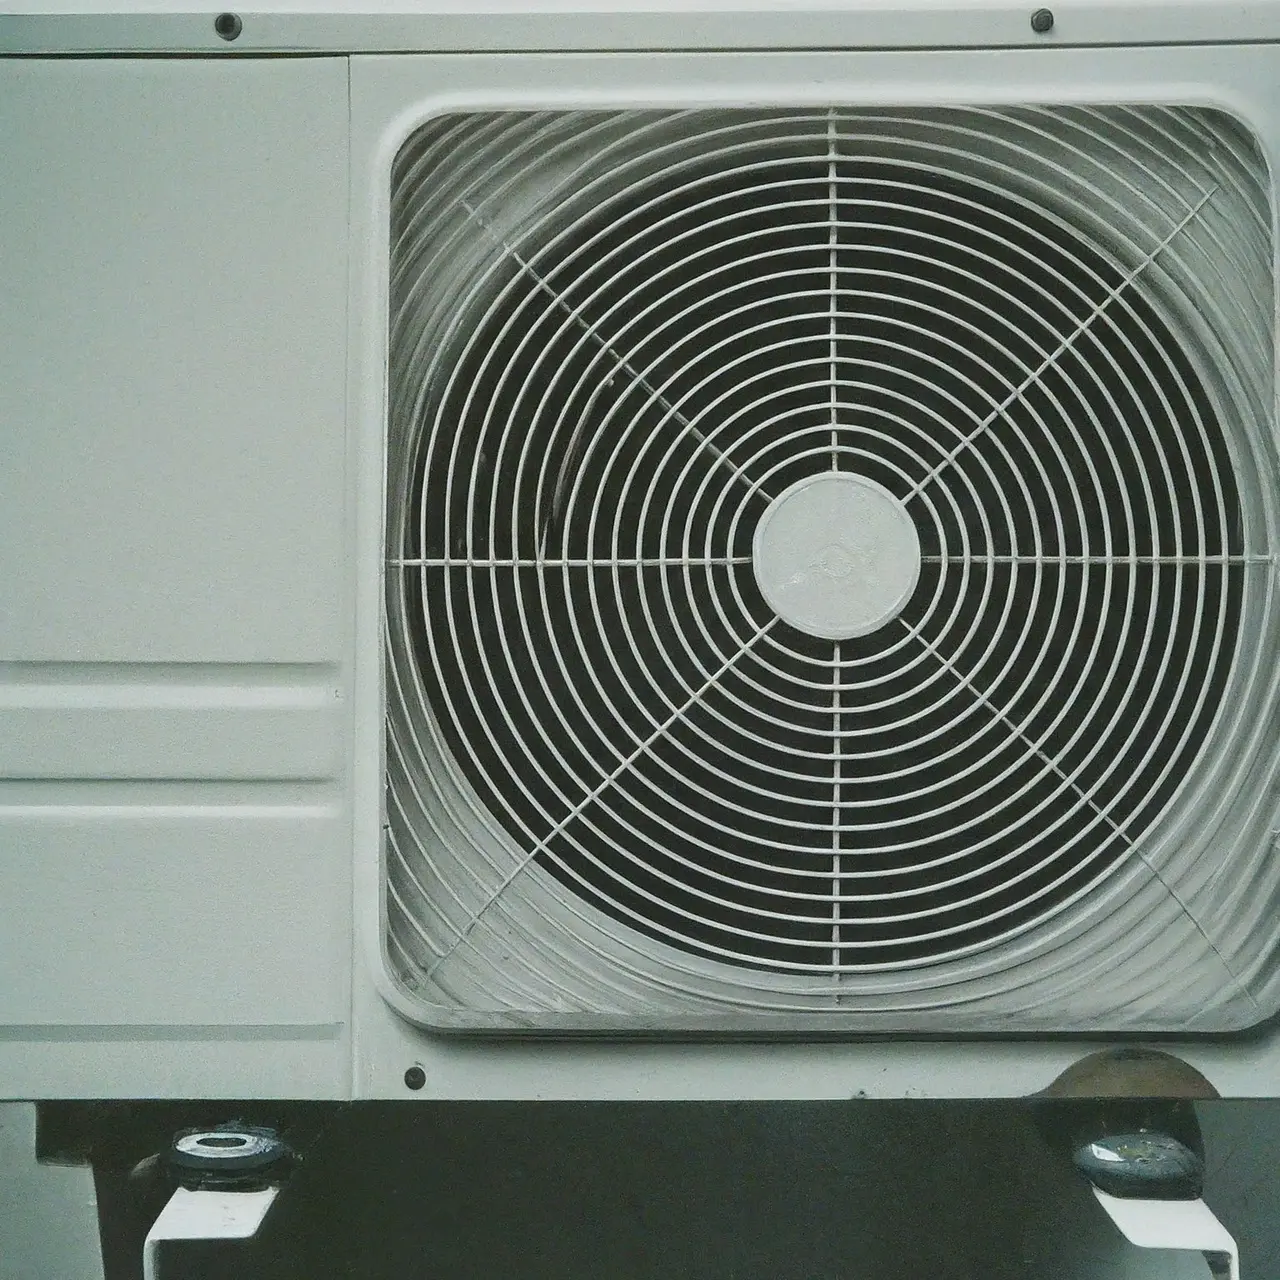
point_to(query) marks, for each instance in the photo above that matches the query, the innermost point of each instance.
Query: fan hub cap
(836, 555)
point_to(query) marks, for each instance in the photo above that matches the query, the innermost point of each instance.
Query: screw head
(415, 1078)
(1042, 21)
(228, 25)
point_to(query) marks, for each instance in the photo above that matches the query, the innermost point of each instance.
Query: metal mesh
(620, 781)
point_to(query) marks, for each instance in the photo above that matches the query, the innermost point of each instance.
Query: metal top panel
(369, 26)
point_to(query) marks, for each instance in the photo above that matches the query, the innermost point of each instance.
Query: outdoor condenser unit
(600, 550)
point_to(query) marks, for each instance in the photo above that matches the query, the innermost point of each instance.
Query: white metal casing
(343, 27)
(191, 387)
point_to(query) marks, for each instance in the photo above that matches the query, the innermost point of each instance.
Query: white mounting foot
(206, 1215)
(1176, 1224)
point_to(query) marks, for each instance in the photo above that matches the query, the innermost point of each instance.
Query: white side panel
(219, 914)
(172, 360)
(174, 669)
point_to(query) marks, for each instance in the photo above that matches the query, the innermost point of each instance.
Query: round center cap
(836, 555)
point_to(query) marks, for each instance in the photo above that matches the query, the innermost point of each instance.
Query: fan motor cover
(829, 581)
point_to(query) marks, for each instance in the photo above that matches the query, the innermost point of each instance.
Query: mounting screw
(415, 1078)
(1042, 21)
(228, 25)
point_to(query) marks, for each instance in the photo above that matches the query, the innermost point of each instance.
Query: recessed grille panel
(677, 728)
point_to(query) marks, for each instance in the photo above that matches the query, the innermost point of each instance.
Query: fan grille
(660, 323)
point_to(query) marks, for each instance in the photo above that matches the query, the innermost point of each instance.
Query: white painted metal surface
(206, 1215)
(341, 26)
(174, 678)
(193, 380)
(1187, 1226)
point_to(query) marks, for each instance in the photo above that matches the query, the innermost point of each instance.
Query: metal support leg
(206, 1215)
(1175, 1224)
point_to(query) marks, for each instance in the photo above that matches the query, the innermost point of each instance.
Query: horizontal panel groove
(172, 720)
(217, 1032)
(106, 798)
(164, 685)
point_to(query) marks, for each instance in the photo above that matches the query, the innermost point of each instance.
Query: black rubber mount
(228, 1156)
(1146, 1165)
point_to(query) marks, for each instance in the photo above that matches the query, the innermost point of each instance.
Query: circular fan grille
(645, 367)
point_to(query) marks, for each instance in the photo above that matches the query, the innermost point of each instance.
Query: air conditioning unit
(599, 550)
